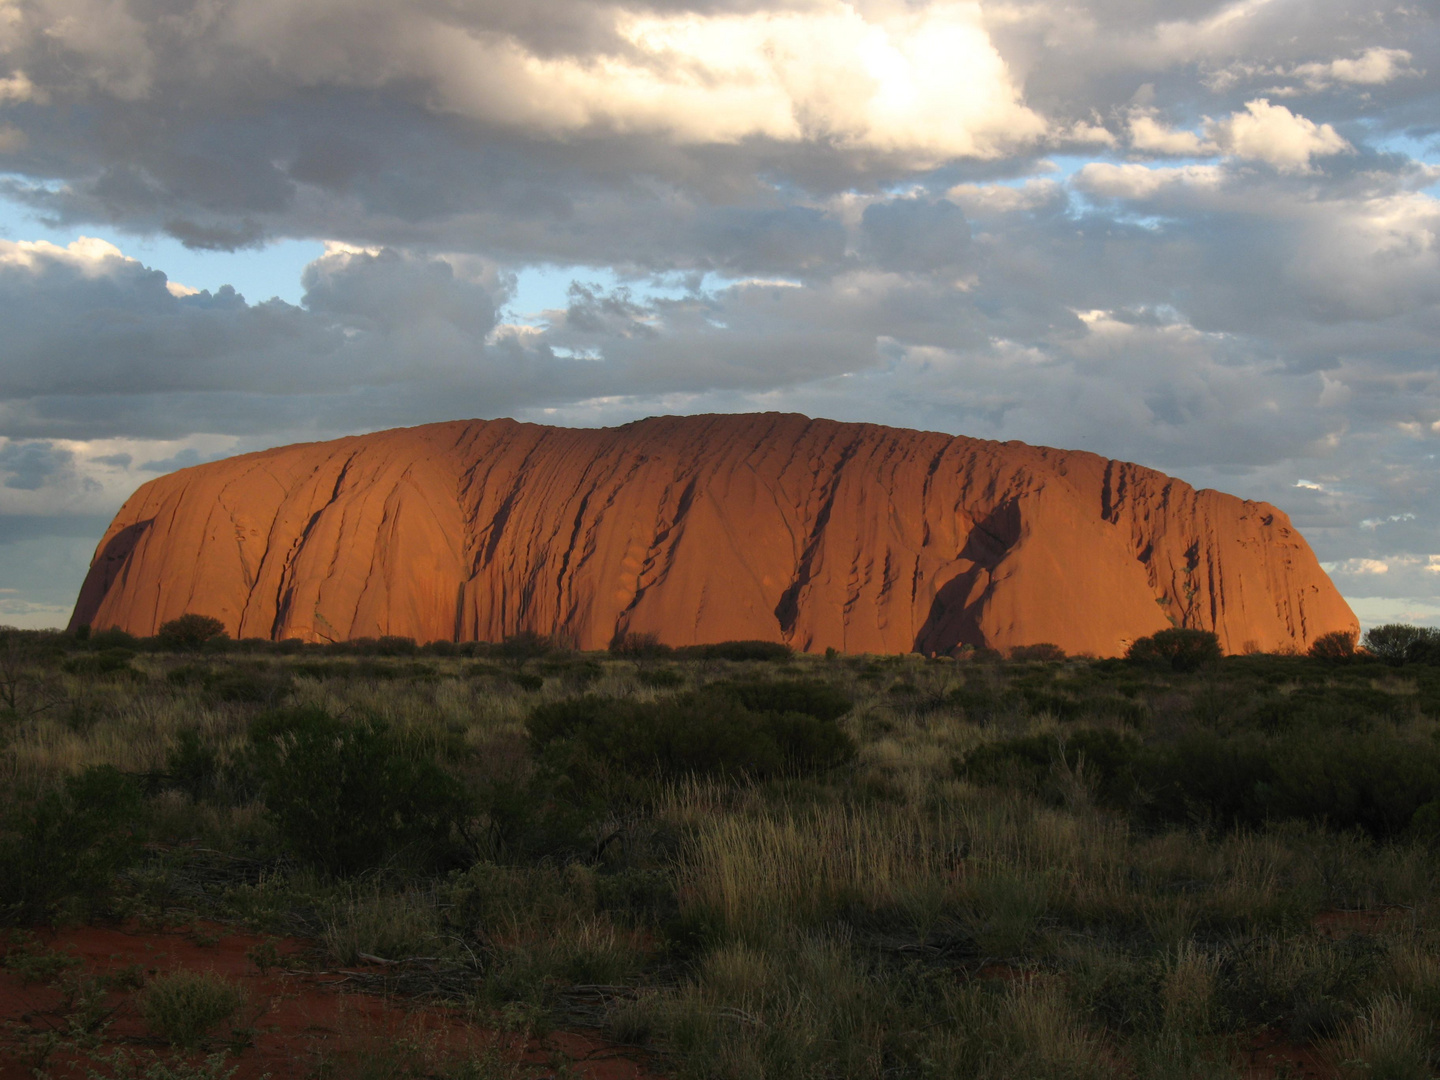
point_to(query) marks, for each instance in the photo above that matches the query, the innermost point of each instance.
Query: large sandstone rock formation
(705, 528)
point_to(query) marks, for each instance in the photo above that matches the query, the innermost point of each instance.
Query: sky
(1203, 236)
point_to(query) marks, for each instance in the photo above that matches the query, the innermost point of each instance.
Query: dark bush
(102, 663)
(602, 744)
(1336, 778)
(1042, 651)
(189, 631)
(1336, 647)
(68, 843)
(351, 795)
(252, 684)
(1178, 649)
(982, 702)
(526, 645)
(1398, 643)
(113, 639)
(395, 646)
(1355, 707)
(820, 700)
(738, 650)
(192, 765)
(639, 646)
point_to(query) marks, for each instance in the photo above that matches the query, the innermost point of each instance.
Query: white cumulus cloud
(1275, 135)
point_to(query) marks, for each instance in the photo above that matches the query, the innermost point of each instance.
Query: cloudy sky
(1202, 236)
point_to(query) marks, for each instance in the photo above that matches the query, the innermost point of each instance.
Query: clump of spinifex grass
(765, 865)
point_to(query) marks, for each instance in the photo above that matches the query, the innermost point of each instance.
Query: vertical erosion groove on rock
(700, 529)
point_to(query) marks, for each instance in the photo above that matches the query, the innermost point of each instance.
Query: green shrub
(189, 631)
(66, 844)
(184, 1006)
(349, 795)
(1179, 649)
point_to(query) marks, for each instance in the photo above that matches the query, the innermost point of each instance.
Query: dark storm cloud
(28, 466)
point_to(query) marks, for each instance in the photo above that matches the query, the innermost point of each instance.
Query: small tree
(26, 687)
(1399, 643)
(190, 631)
(1336, 647)
(1179, 649)
(639, 646)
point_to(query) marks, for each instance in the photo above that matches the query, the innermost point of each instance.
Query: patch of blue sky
(546, 287)
(256, 273)
(1426, 149)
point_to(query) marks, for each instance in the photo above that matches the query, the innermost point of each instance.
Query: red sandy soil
(306, 1024)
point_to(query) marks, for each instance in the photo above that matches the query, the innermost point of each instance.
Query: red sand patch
(1339, 923)
(1271, 1055)
(304, 1024)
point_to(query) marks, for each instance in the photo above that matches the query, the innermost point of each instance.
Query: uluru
(698, 529)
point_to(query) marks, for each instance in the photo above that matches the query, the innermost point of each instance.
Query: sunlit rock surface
(702, 529)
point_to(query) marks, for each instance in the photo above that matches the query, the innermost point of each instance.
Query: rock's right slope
(706, 528)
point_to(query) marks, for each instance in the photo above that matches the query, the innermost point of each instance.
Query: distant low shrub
(1179, 649)
(105, 662)
(1042, 651)
(1336, 647)
(1399, 643)
(113, 639)
(639, 646)
(738, 650)
(526, 645)
(350, 795)
(824, 701)
(189, 631)
(395, 646)
(67, 843)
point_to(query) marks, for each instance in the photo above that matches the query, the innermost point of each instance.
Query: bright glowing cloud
(1275, 135)
(1373, 67)
(1141, 182)
(927, 82)
(1149, 134)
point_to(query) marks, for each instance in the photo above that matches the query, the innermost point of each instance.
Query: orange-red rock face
(705, 528)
